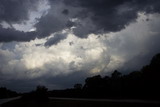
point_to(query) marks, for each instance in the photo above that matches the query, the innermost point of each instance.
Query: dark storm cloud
(96, 16)
(57, 19)
(48, 25)
(10, 34)
(55, 39)
(93, 16)
(16, 11)
(65, 11)
(104, 14)
(112, 16)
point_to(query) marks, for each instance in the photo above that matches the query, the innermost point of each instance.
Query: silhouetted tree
(94, 82)
(40, 94)
(155, 62)
(116, 74)
(78, 86)
(6, 93)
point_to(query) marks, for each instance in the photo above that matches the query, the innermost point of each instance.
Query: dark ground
(75, 103)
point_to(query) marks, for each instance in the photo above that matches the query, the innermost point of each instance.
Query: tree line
(6, 93)
(142, 84)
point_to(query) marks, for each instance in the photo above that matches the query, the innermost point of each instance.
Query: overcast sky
(58, 43)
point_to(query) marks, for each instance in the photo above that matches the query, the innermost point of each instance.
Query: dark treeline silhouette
(40, 94)
(6, 93)
(143, 84)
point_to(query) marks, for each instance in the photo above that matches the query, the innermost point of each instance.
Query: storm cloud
(81, 16)
(92, 16)
(59, 42)
(111, 16)
(16, 11)
(55, 39)
(10, 34)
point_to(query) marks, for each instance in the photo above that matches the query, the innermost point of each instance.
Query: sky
(58, 43)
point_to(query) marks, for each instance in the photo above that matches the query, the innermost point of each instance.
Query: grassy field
(73, 103)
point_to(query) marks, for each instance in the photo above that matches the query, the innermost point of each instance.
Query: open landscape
(79, 53)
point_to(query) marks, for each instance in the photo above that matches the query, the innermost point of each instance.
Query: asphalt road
(99, 100)
(110, 100)
(8, 99)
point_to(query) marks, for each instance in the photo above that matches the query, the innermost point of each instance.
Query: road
(110, 100)
(97, 100)
(8, 99)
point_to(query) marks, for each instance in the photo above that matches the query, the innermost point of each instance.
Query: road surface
(8, 99)
(98, 100)
(109, 100)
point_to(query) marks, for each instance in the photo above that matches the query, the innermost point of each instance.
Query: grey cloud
(93, 16)
(136, 44)
(49, 24)
(109, 15)
(96, 17)
(10, 34)
(16, 11)
(57, 19)
(57, 82)
(84, 28)
(55, 39)
(65, 11)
